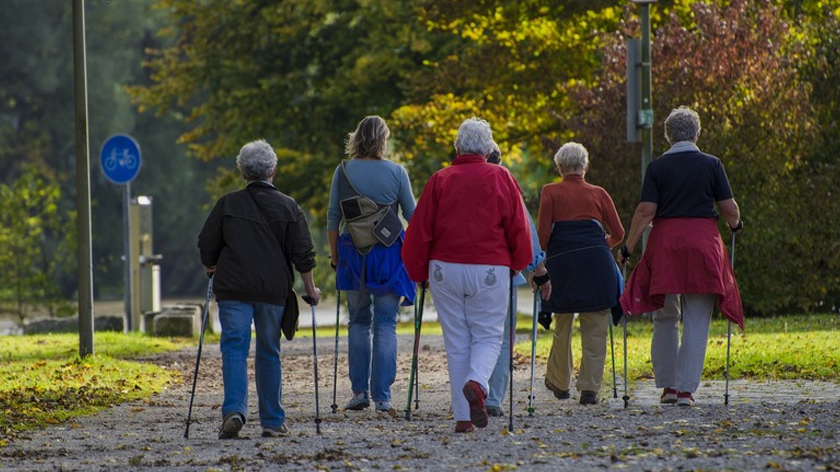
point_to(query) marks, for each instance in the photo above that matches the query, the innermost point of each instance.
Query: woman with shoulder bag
(366, 192)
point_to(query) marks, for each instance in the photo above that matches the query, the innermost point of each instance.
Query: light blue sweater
(380, 180)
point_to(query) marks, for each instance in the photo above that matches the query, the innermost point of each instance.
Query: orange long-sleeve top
(575, 199)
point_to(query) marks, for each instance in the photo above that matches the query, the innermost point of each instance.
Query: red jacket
(469, 213)
(683, 255)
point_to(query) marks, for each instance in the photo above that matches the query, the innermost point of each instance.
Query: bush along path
(785, 425)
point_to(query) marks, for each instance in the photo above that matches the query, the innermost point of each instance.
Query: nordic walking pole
(626, 397)
(417, 372)
(612, 356)
(334, 406)
(512, 314)
(198, 357)
(315, 358)
(533, 351)
(729, 325)
(418, 317)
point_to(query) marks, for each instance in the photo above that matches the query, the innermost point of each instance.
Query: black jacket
(253, 237)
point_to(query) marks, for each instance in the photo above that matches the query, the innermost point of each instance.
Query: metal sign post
(120, 159)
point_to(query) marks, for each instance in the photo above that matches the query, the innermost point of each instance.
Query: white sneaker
(276, 432)
(358, 402)
(685, 399)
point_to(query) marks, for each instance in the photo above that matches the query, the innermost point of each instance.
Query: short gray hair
(683, 124)
(256, 160)
(369, 139)
(572, 158)
(474, 137)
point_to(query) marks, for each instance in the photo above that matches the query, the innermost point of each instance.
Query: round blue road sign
(120, 158)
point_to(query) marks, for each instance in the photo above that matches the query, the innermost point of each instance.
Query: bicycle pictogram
(124, 160)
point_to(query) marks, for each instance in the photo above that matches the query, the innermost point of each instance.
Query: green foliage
(762, 125)
(37, 239)
(45, 382)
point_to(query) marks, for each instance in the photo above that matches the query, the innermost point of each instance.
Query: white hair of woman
(257, 161)
(683, 124)
(572, 158)
(474, 137)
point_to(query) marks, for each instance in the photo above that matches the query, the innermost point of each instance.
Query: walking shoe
(358, 402)
(475, 395)
(669, 395)
(231, 425)
(685, 399)
(464, 427)
(588, 397)
(276, 432)
(495, 411)
(558, 394)
(383, 406)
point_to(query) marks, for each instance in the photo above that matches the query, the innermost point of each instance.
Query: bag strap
(346, 189)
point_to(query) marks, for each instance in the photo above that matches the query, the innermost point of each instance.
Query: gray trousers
(678, 362)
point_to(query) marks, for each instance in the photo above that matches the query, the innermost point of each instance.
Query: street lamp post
(644, 118)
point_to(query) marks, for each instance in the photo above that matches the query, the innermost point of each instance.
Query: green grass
(43, 380)
(791, 347)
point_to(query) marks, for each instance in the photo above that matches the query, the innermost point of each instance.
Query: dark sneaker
(558, 394)
(464, 427)
(495, 411)
(358, 402)
(280, 432)
(475, 396)
(588, 397)
(669, 396)
(231, 425)
(685, 399)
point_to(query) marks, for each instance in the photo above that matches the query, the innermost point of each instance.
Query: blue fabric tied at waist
(584, 275)
(384, 271)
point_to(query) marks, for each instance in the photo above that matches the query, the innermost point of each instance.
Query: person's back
(474, 224)
(686, 184)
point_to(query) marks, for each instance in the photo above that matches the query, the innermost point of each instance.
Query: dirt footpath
(767, 426)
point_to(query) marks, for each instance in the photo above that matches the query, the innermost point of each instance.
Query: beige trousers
(593, 340)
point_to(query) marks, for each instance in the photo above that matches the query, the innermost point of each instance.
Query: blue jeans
(379, 364)
(235, 318)
(500, 377)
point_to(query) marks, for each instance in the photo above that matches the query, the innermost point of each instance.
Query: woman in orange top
(578, 225)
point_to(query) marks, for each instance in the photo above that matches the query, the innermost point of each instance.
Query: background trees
(301, 73)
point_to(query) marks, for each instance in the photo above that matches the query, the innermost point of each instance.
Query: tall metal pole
(646, 113)
(647, 105)
(130, 322)
(84, 248)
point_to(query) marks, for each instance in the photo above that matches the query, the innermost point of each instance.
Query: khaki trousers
(593, 340)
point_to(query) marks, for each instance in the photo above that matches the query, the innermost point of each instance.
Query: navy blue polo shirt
(686, 184)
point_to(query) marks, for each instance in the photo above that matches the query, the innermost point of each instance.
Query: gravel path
(772, 425)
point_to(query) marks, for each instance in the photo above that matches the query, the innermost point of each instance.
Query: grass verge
(789, 347)
(43, 380)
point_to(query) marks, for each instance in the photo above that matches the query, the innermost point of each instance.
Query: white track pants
(472, 303)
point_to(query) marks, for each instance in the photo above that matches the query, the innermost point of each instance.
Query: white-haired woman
(578, 225)
(252, 282)
(684, 255)
(371, 274)
(468, 235)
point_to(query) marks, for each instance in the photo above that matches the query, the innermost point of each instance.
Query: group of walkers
(470, 240)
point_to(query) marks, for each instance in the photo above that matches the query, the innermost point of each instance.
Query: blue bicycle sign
(120, 158)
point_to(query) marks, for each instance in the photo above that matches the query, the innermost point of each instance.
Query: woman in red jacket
(469, 233)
